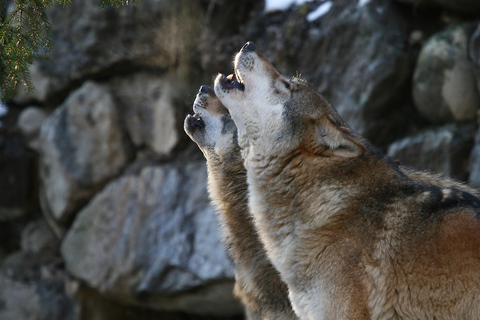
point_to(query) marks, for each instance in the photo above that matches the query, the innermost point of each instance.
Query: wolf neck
(247, 134)
(292, 192)
(227, 183)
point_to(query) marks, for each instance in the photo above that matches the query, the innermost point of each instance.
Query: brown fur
(353, 235)
(258, 283)
(437, 180)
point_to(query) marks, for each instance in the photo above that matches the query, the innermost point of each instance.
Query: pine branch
(25, 36)
(117, 3)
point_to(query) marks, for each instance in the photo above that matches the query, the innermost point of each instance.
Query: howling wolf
(352, 235)
(258, 283)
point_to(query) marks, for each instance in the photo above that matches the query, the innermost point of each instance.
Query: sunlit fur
(258, 283)
(352, 234)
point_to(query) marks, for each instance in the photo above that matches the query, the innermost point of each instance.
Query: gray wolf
(258, 284)
(352, 235)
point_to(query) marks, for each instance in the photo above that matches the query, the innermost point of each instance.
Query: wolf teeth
(239, 78)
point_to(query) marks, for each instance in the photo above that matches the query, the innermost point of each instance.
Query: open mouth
(195, 122)
(230, 83)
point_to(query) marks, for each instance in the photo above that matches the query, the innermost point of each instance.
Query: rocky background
(104, 212)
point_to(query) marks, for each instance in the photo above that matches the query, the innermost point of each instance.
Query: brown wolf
(351, 234)
(258, 283)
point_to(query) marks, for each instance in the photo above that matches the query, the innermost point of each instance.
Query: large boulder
(91, 41)
(150, 111)
(444, 85)
(83, 145)
(358, 58)
(44, 299)
(29, 123)
(152, 239)
(32, 286)
(443, 150)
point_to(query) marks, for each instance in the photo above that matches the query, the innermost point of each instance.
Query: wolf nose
(249, 46)
(205, 89)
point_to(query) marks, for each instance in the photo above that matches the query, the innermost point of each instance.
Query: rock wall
(104, 212)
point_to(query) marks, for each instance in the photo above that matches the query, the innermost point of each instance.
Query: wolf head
(279, 113)
(211, 127)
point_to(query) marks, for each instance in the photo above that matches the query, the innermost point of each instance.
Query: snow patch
(276, 5)
(280, 5)
(322, 10)
(361, 3)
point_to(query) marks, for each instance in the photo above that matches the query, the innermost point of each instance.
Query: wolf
(352, 235)
(258, 283)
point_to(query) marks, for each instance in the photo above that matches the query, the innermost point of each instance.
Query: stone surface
(94, 306)
(90, 40)
(474, 54)
(17, 176)
(32, 286)
(10, 235)
(468, 7)
(44, 86)
(43, 300)
(29, 123)
(358, 59)
(38, 238)
(443, 150)
(150, 111)
(474, 177)
(82, 147)
(444, 86)
(148, 236)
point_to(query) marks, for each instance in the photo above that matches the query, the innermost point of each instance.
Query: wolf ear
(337, 141)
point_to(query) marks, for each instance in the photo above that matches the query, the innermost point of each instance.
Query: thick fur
(258, 283)
(438, 180)
(352, 234)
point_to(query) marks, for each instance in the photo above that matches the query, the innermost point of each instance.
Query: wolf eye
(287, 84)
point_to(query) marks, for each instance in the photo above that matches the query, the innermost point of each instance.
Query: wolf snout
(249, 46)
(206, 90)
(229, 83)
(193, 122)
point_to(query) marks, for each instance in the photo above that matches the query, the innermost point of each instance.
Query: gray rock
(149, 236)
(90, 40)
(39, 300)
(43, 86)
(82, 147)
(38, 238)
(474, 53)
(357, 58)
(29, 122)
(469, 7)
(32, 286)
(149, 110)
(444, 86)
(17, 176)
(474, 177)
(443, 150)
